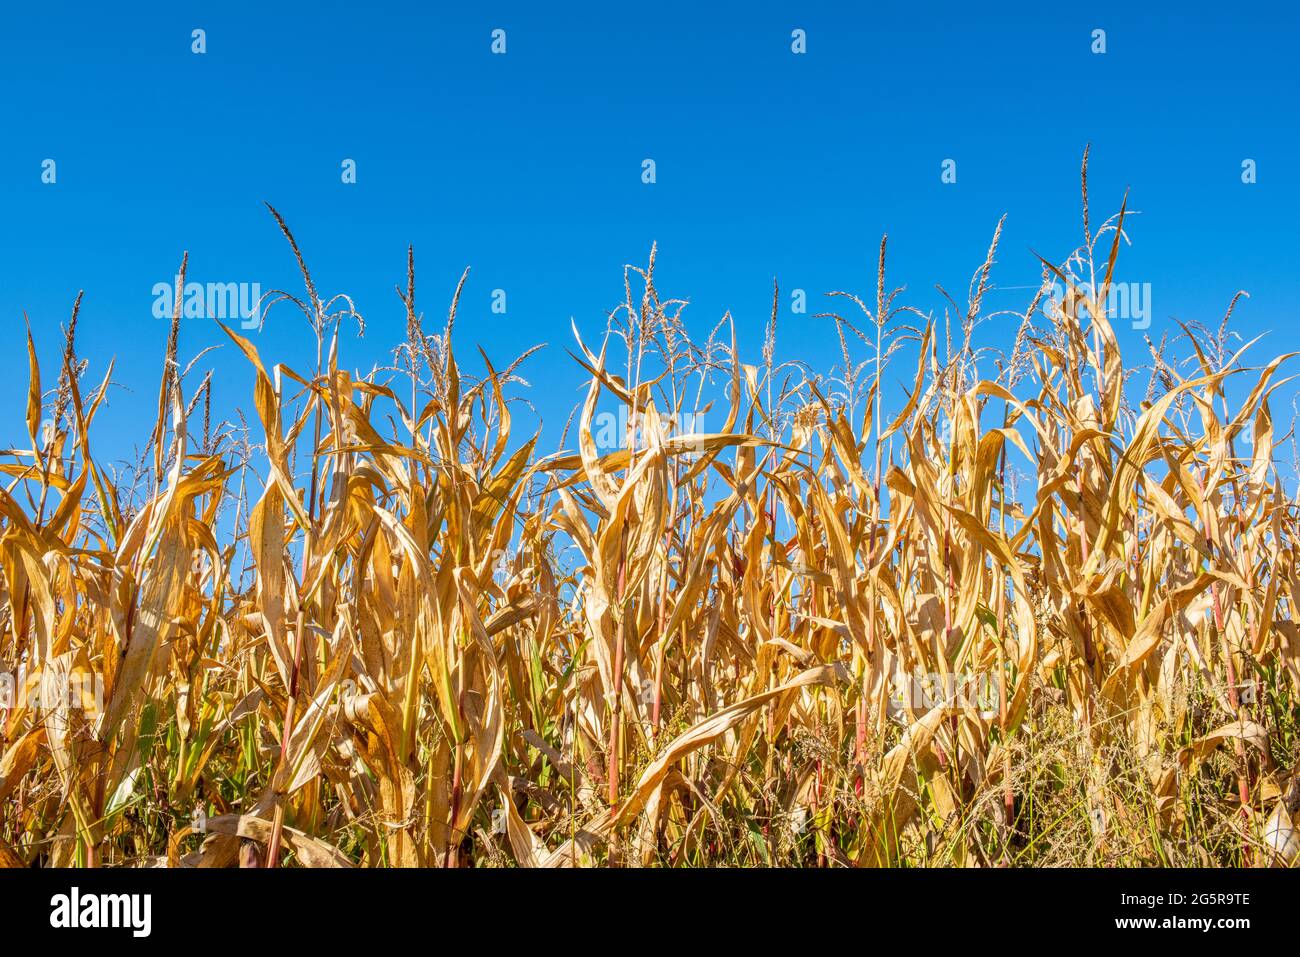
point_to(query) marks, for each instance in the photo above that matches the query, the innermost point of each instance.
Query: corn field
(374, 625)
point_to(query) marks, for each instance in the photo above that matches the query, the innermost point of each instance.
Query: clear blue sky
(527, 167)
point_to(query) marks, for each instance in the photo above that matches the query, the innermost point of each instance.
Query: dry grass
(380, 629)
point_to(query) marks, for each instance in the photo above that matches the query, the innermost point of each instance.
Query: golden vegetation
(378, 628)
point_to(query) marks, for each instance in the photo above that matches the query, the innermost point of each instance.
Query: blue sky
(527, 167)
